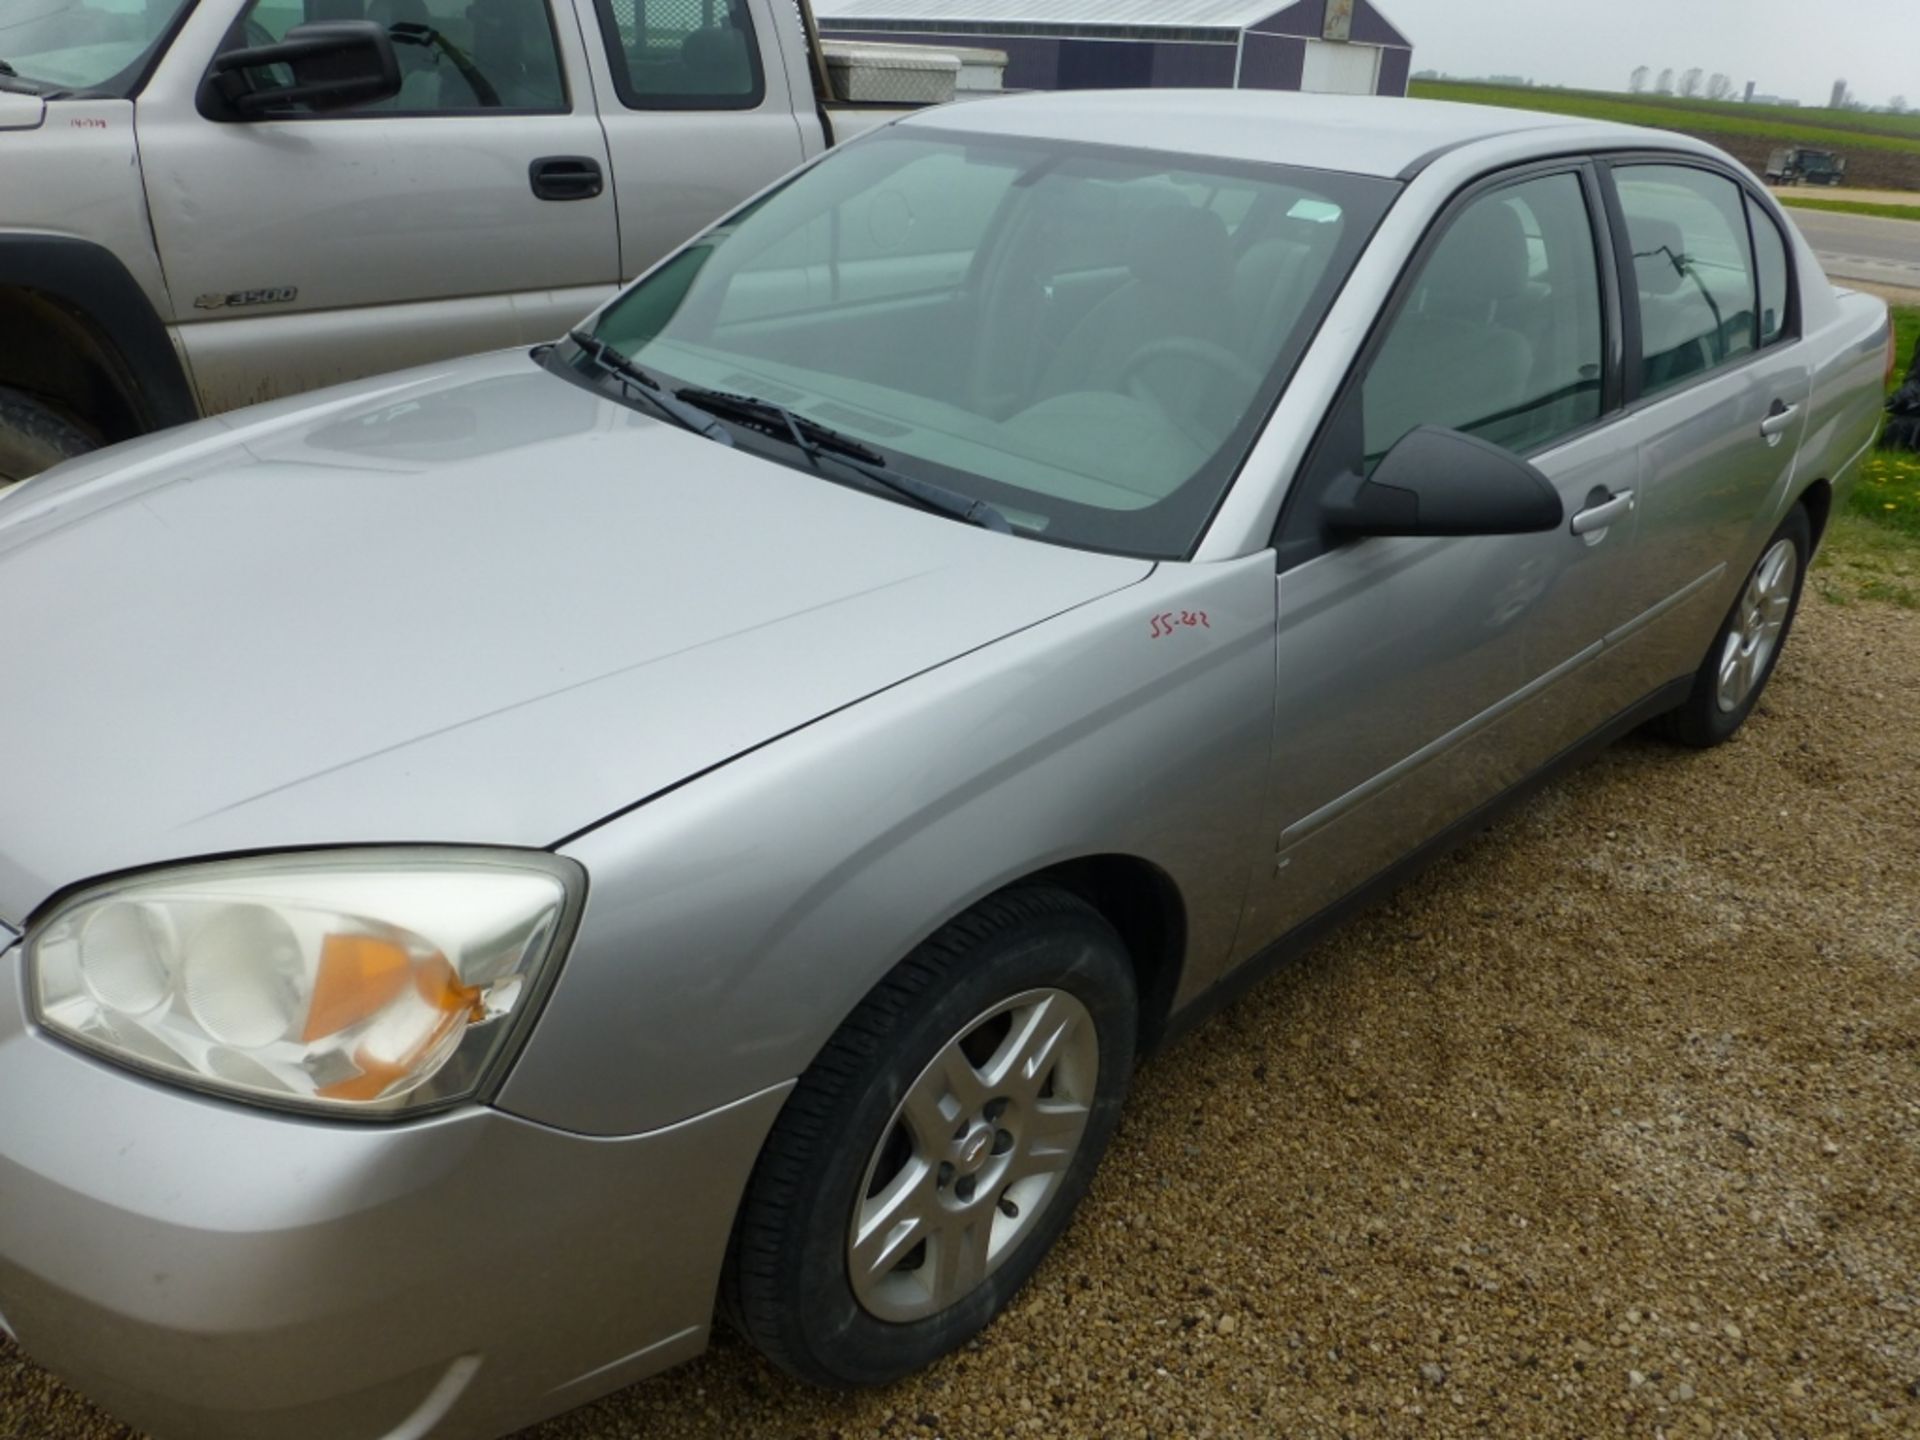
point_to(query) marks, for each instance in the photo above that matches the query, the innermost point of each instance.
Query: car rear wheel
(33, 437)
(1747, 647)
(935, 1150)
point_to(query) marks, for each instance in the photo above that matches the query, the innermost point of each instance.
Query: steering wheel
(1222, 361)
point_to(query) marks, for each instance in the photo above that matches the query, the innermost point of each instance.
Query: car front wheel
(934, 1151)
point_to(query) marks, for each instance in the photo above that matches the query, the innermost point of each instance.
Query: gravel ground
(1609, 1125)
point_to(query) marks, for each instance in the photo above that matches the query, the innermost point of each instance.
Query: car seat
(1180, 263)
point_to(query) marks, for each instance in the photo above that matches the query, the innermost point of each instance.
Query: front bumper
(207, 1271)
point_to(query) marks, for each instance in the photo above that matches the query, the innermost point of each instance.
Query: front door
(1412, 672)
(306, 249)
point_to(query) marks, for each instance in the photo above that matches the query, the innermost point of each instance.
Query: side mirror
(328, 65)
(1441, 482)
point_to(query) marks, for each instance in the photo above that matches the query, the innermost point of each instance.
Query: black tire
(33, 437)
(788, 1285)
(1703, 721)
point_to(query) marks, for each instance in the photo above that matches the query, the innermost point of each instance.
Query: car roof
(1359, 134)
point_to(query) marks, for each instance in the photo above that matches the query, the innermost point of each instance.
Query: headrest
(1482, 261)
(1658, 248)
(1180, 246)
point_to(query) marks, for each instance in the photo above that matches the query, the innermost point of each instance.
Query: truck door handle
(565, 177)
(1603, 509)
(1778, 419)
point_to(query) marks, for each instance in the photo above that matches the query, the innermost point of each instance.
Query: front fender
(92, 284)
(733, 923)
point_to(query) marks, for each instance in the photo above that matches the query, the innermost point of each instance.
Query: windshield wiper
(638, 382)
(820, 442)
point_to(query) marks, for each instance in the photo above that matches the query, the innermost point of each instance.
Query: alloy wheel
(974, 1153)
(1755, 632)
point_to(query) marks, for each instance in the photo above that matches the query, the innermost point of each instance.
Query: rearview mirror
(327, 65)
(1441, 482)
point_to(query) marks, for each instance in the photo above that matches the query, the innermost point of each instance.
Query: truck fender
(89, 287)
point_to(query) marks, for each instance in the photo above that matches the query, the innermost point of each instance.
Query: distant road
(1863, 247)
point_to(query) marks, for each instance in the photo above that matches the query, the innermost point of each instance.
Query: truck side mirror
(328, 65)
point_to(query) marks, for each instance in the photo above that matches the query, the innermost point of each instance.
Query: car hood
(476, 604)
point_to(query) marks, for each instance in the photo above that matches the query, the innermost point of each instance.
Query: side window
(682, 54)
(455, 56)
(1770, 265)
(1501, 334)
(1692, 270)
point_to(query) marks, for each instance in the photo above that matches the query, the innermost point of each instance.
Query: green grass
(1872, 549)
(1781, 125)
(1861, 559)
(1855, 207)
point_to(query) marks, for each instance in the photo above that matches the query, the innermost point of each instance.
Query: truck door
(698, 98)
(470, 211)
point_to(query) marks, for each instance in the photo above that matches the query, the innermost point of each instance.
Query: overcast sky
(1795, 48)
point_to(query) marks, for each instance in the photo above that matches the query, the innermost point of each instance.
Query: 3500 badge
(278, 295)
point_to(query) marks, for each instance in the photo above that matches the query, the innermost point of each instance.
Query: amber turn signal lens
(359, 976)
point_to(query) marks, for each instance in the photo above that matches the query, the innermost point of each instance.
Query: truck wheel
(937, 1147)
(32, 437)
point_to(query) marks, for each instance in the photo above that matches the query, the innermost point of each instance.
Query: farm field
(1881, 150)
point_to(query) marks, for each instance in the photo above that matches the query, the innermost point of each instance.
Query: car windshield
(97, 47)
(1086, 338)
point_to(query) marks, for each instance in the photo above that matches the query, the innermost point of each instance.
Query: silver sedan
(501, 861)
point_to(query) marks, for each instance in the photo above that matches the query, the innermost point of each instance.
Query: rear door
(1718, 386)
(1420, 677)
(306, 249)
(698, 104)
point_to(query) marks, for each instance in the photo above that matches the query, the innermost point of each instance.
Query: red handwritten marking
(1168, 621)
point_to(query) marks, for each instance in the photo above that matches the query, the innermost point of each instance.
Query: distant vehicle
(499, 861)
(1799, 165)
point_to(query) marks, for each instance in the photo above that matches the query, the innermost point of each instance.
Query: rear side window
(1501, 334)
(1770, 267)
(1693, 272)
(682, 54)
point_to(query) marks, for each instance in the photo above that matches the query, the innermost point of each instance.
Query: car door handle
(565, 177)
(1601, 513)
(1778, 419)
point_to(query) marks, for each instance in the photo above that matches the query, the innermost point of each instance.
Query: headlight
(349, 982)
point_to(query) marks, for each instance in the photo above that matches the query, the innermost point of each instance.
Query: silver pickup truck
(215, 203)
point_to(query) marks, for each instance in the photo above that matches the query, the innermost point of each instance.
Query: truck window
(456, 56)
(101, 46)
(682, 54)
